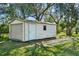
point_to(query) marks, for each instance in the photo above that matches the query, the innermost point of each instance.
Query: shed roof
(33, 21)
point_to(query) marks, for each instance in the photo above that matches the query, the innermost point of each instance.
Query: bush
(59, 29)
(4, 28)
(60, 35)
(75, 35)
(4, 37)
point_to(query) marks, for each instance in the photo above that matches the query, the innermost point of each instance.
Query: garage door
(17, 31)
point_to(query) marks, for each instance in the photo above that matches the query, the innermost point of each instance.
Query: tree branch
(53, 18)
(45, 10)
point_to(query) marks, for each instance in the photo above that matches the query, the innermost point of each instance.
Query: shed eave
(33, 21)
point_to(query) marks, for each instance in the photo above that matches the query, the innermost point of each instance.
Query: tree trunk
(76, 30)
(68, 28)
(23, 12)
(37, 18)
(68, 31)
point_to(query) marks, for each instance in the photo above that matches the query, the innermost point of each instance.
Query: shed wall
(49, 32)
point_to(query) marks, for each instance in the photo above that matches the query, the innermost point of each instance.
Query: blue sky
(30, 18)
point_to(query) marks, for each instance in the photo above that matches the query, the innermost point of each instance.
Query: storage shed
(25, 30)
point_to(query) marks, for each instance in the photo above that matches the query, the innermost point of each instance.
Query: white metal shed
(25, 30)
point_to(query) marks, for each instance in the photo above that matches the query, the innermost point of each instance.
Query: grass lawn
(12, 48)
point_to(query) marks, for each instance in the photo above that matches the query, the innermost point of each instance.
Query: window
(44, 27)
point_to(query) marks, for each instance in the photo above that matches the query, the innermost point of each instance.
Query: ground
(40, 48)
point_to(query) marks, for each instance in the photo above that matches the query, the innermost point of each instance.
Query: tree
(4, 28)
(33, 10)
(70, 16)
(56, 15)
(11, 11)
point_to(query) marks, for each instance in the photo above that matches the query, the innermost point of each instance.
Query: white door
(32, 31)
(16, 31)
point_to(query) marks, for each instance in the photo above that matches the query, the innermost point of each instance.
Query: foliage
(61, 34)
(4, 37)
(62, 24)
(75, 35)
(26, 49)
(4, 28)
(64, 15)
(11, 11)
(33, 9)
(59, 29)
(56, 15)
(69, 11)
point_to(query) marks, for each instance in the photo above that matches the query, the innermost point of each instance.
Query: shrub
(75, 35)
(4, 37)
(60, 35)
(4, 28)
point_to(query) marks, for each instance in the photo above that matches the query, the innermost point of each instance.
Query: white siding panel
(26, 32)
(32, 31)
(49, 32)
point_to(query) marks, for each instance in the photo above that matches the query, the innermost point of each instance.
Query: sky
(30, 18)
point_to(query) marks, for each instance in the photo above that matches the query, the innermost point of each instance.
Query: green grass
(12, 48)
